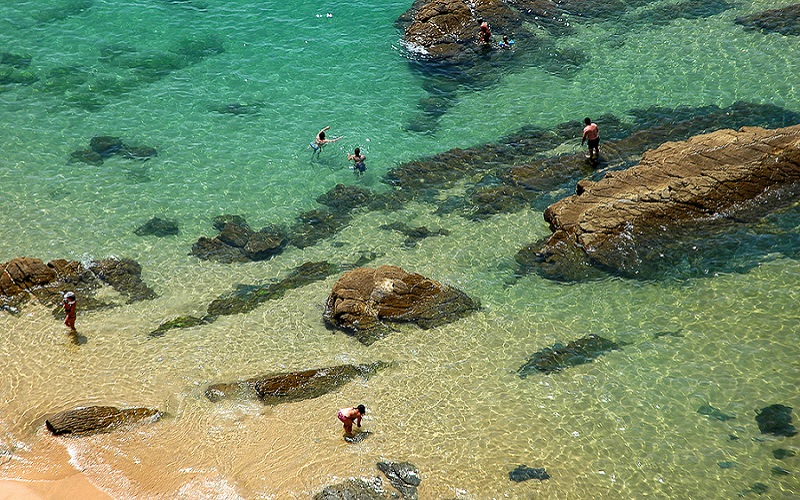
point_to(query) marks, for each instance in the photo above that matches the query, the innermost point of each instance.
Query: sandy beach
(74, 486)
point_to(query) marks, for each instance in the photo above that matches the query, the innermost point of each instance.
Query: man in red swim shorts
(592, 134)
(350, 415)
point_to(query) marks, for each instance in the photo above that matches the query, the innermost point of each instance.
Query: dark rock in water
(292, 386)
(780, 471)
(247, 298)
(237, 242)
(364, 299)
(726, 465)
(776, 419)
(785, 21)
(413, 234)
(354, 489)
(94, 419)
(757, 488)
(712, 412)
(316, 225)
(238, 109)
(181, 322)
(781, 453)
(558, 357)
(86, 156)
(158, 227)
(15, 60)
(345, 198)
(141, 153)
(403, 476)
(105, 145)
(357, 437)
(523, 473)
(125, 275)
(686, 9)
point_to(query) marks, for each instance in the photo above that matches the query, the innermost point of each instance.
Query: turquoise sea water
(155, 73)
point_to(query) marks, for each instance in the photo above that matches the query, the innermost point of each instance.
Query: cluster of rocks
(237, 242)
(105, 146)
(403, 476)
(25, 278)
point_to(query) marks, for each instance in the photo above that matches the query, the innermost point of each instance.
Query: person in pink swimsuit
(350, 415)
(591, 134)
(70, 304)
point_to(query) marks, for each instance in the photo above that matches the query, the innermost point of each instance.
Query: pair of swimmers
(359, 167)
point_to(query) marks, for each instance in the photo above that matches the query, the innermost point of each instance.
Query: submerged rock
(181, 322)
(403, 476)
(715, 413)
(776, 419)
(413, 234)
(125, 276)
(248, 297)
(559, 357)
(629, 220)
(106, 146)
(95, 419)
(292, 386)
(237, 242)
(364, 299)
(785, 21)
(354, 489)
(524, 473)
(157, 227)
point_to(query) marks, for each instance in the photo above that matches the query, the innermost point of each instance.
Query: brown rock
(364, 298)
(694, 182)
(94, 419)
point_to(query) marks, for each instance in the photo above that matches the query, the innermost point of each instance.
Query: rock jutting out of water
(288, 387)
(631, 219)
(158, 227)
(363, 300)
(785, 21)
(524, 473)
(24, 278)
(559, 357)
(714, 413)
(776, 419)
(236, 242)
(96, 419)
(403, 476)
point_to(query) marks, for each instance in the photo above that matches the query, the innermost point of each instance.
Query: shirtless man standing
(350, 415)
(592, 134)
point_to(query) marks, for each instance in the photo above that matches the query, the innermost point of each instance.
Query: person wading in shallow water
(70, 304)
(350, 415)
(592, 134)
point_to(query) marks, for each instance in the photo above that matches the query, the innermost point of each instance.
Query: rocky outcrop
(236, 242)
(24, 278)
(365, 299)
(559, 357)
(95, 419)
(292, 386)
(785, 20)
(630, 218)
(403, 476)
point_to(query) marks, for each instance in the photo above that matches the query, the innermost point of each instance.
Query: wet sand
(74, 486)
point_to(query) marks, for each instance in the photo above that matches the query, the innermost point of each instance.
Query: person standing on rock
(70, 305)
(591, 134)
(350, 415)
(486, 33)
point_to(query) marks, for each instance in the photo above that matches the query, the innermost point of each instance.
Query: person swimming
(358, 162)
(320, 141)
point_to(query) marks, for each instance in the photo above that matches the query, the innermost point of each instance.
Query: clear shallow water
(624, 426)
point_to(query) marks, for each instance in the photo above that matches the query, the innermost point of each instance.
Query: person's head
(70, 296)
(358, 151)
(361, 409)
(587, 121)
(505, 38)
(322, 135)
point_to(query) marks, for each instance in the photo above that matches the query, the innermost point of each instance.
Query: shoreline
(76, 485)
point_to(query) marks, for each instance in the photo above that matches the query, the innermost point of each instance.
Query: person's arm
(583, 139)
(358, 420)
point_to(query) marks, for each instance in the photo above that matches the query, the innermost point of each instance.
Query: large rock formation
(292, 386)
(24, 278)
(364, 298)
(95, 419)
(630, 218)
(785, 20)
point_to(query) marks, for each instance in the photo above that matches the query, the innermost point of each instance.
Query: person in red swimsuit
(592, 134)
(486, 33)
(350, 415)
(70, 304)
